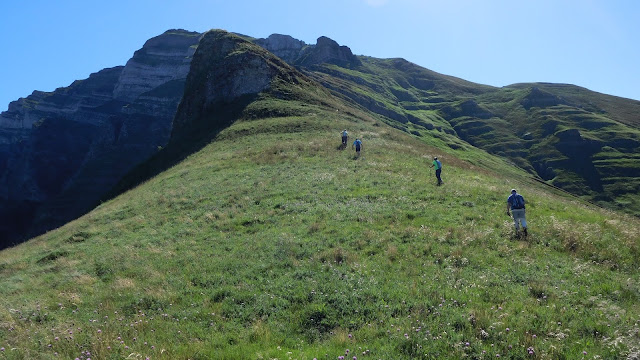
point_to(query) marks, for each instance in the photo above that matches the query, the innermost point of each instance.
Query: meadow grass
(273, 243)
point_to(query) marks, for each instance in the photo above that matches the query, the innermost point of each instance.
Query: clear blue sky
(591, 43)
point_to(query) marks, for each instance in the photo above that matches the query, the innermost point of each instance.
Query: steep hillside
(272, 241)
(575, 139)
(583, 142)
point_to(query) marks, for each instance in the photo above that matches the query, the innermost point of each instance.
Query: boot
(525, 232)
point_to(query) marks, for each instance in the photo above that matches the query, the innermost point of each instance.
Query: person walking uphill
(438, 165)
(515, 203)
(358, 145)
(345, 136)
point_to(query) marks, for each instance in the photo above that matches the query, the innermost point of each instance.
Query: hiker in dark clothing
(438, 165)
(515, 203)
(358, 145)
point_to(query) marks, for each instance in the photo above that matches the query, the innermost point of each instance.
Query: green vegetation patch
(274, 242)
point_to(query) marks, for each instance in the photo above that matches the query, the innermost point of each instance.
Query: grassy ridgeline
(271, 242)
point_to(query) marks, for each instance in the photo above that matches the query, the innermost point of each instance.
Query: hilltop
(254, 235)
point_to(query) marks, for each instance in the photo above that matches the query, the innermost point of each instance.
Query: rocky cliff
(283, 46)
(227, 72)
(61, 150)
(296, 52)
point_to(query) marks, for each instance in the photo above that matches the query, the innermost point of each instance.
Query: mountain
(583, 142)
(63, 152)
(256, 235)
(572, 138)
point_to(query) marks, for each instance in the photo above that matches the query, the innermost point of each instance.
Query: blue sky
(590, 43)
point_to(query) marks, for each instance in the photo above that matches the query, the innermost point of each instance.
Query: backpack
(518, 202)
(439, 164)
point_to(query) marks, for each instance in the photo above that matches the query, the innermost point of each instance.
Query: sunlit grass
(275, 244)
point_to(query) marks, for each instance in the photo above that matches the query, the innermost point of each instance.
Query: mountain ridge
(272, 240)
(438, 108)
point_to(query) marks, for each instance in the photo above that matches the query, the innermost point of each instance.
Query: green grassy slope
(581, 141)
(572, 142)
(270, 242)
(619, 109)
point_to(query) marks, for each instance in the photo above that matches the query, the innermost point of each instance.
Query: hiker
(358, 145)
(515, 203)
(345, 136)
(438, 165)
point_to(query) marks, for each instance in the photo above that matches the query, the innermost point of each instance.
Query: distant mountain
(61, 152)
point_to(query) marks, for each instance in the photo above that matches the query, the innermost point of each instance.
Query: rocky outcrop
(283, 46)
(328, 51)
(226, 68)
(298, 53)
(61, 151)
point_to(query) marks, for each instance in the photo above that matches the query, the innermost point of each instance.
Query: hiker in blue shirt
(515, 203)
(345, 136)
(358, 145)
(438, 165)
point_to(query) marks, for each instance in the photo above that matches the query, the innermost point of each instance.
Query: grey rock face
(163, 58)
(328, 51)
(61, 151)
(224, 68)
(283, 46)
(296, 52)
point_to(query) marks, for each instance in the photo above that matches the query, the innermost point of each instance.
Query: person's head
(435, 158)
(513, 191)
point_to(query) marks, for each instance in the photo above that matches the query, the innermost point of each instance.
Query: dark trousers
(438, 176)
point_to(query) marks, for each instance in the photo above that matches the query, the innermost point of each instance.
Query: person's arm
(508, 208)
